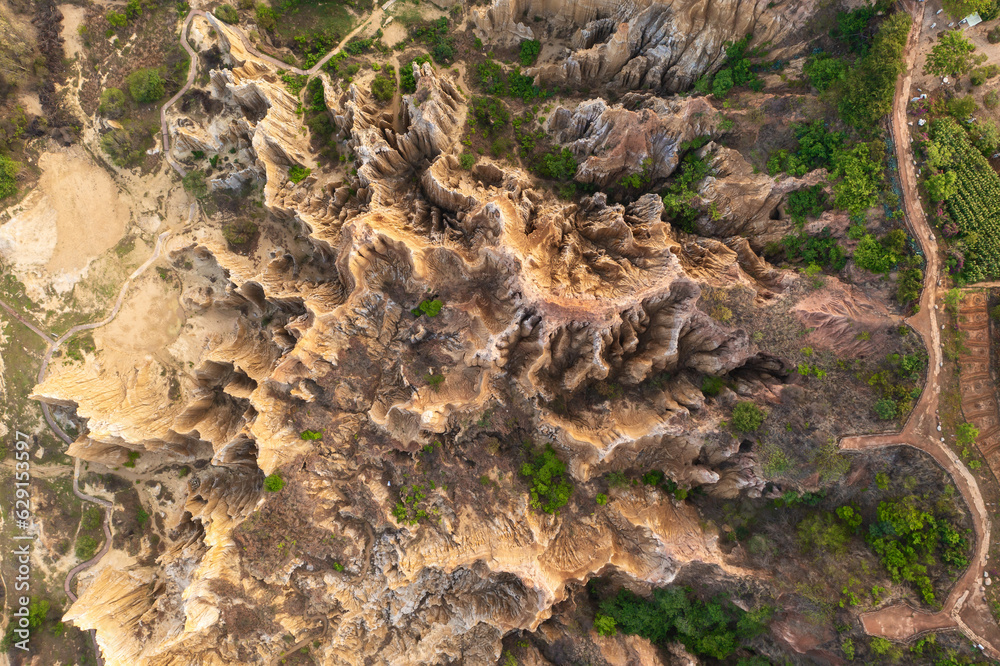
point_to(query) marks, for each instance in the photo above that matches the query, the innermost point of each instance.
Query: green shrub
(194, 184)
(712, 386)
(966, 434)
(550, 489)
(558, 164)
(273, 483)
(601, 499)
(310, 435)
(227, 13)
(239, 231)
(142, 517)
(530, 48)
(8, 176)
(961, 108)
(431, 308)
(466, 160)
(297, 173)
(384, 88)
(714, 628)
(86, 547)
(872, 256)
(266, 17)
(824, 71)
(116, 20)
(145, 85)
(112, 103)
(604, 625)
(886, 409)
(747, 417)
(808, 202)
(870, 84)
(407, 81)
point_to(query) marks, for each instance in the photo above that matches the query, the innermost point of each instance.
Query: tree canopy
(952, 55)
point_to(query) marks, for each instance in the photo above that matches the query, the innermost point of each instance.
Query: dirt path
(902, 622)
(52, 346)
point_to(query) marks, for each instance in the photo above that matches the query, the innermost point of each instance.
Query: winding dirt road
(965, 604)
(53, 345)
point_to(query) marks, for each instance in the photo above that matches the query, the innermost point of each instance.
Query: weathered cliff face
(404, 533)
(662, 46)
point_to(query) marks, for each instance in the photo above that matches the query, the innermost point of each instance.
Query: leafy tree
(959, 9)
(605, 625)
(384, 88)
(942, 186)
(747, 417)
(530, 48)
(431, 308)
(466, 160)
(273, 483)
(407, 80)
(886, 409)
(951, 56)
(559, 165)
(145, 85)
(38, 612)
(8, 176)
(266, 17)
(966, 434)
(112, 103)
(807, 202)
(824, 71)
(550, 490)
(961, 108)
(712, 386)
(869, 86)
(986, 136)
(853, 27)
(194, 184)
(860, 171)
(873, 256)
(297, 173)
(133, 9)
(722, 83)
(714, 628)
(490, 114)
(116, 20)
(601, 499)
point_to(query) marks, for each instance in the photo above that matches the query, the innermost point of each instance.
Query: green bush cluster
(737, 70)
(8, 176)
(311, 435)
(680, 201)
(297, 173)
(407, 510)
(435, 36)
(429, 307)
(530, 48)
(824, 71)
(747, 417)
(384, 86)
(273, 483)
(550, 488)
(558, 164)
(820, 250)
(897, 384)
(113, 103)
(905, 534)
(870, 84)
(495, 80)
(714, 629)
(227, 13)
(145, 85)
(879, 256)
(807, 202)
(194, 184)
(818, 147)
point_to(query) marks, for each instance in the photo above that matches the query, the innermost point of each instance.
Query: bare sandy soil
(73, 17)
(150, 320)
(73, 216)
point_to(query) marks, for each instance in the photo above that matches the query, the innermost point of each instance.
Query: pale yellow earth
(73, 17)
(150, 319)
(73, 215)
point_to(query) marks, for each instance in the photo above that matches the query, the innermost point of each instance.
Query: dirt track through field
(965, 608)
